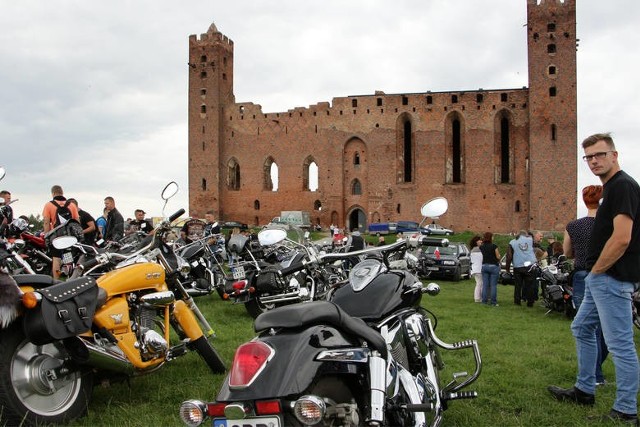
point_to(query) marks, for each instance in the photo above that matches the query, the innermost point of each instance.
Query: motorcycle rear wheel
(256, 307)
(29, 391)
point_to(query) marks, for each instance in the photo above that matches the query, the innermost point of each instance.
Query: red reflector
(239, 285)
(268, 407)
(216, 409)
(250, 359)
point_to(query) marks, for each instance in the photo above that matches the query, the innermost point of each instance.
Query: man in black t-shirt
(613, 257)
(140, 223)
(192, 230)
(88, 224)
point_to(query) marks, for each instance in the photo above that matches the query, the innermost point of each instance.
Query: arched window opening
(233, 175)
(203, 109)
(504, 151)
(256, 205)
(517, 206)
(309, 175)
(553, 132)
(204, 184)
(456, 155)
(317, 205)
(553, 91)
(398, 208)
(407, 151)
(551, 27)
(270, 175)
(551, 48)
(354, 103)
(356, 158)
(356, 187)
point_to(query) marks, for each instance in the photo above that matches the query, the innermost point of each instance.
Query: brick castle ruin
(504, 158)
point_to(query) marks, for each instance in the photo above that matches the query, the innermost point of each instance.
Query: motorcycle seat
(320, 313)
(36, 281)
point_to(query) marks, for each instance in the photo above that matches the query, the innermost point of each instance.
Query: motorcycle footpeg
(177, 351)
(416, 407)
(460, 395)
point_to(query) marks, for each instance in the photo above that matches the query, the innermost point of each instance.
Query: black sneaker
(572, 395)
(617, 416)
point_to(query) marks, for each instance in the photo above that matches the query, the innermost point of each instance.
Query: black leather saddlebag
(66, 310)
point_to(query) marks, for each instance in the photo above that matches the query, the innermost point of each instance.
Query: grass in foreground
(523, 351)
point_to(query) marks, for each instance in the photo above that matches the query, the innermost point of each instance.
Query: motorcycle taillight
(250, 359)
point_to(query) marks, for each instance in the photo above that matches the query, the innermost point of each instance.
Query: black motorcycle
(555, 287)
(260, 283)
(369, 356)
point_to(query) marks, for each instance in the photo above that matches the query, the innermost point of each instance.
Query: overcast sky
(93, 95)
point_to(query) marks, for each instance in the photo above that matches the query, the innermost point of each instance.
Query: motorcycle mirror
(3, 171)
(169, 190)
(64, 242)
(271, 236)
(432, 289)
(435, 207)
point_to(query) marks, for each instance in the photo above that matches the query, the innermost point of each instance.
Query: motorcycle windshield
(294, 233)
(364, 272)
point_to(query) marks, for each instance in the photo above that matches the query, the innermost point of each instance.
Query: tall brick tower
(210, 92)
(551, 40)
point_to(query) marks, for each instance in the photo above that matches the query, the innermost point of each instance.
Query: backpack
(63, 214)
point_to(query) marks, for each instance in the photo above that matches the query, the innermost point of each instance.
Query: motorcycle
(261, 287)
(69, 335)
(555, 287)
(207, 274)
(369, 356)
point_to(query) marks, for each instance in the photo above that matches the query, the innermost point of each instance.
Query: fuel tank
(134, 277)
(380, 297)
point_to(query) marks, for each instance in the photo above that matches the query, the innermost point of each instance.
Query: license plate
(67, 258)
(248, 422)
(238, 272)
(433, 268)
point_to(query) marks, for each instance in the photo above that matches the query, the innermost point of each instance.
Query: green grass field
(523, 351)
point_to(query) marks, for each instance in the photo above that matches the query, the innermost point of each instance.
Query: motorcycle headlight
(193, 412)
(309, 410)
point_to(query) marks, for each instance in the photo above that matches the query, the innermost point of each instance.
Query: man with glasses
(613, 257)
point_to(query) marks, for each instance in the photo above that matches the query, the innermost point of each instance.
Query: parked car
(452, 261)
(438, 229)
(230, 225)
(410, 227)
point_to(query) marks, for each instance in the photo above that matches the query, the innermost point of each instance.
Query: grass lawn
(523, 351)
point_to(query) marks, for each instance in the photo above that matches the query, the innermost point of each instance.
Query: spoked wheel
(37, 386)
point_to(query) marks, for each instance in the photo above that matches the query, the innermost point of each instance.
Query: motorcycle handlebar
(176, 215)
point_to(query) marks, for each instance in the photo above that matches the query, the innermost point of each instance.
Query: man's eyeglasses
(598, 156)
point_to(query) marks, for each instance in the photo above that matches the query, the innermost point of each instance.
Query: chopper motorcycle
(369, 356)
(68, 335)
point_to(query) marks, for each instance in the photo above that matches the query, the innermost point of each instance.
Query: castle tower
(210, 92)
(551, 41)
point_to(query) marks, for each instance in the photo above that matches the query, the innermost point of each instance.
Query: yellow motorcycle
(67, 335)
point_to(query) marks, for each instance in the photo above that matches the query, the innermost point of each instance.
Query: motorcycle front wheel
(36, 385)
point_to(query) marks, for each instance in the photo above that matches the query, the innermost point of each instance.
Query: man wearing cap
(139, 223)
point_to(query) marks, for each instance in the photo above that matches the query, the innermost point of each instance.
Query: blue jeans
(578, 295)
(607, 304)
(490, 273)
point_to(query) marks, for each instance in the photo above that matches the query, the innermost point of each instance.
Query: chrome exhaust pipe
(87, 353)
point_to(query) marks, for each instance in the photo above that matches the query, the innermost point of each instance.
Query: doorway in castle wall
(357, 220)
